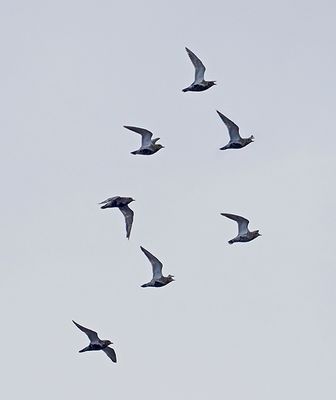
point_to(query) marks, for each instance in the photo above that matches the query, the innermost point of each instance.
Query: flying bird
(148, 145)
(244, 234)
(158, 279)
(122, 204)
(236, 141)
(96, 343)
(199, 84)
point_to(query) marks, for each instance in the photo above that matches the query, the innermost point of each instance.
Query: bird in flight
(236, 141)
(148, 145)
(96, 343)
(244, 234)
(122, 204)
(158, 279)
(199, 84)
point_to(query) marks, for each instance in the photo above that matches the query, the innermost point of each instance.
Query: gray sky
(253, 321)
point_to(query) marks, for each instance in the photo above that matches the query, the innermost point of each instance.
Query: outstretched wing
(110, 353)
(199, 67)
(128, 214)
(242, 222)
(156, 264)
(232, 127)
(145, 134)
(92, 335)
(109, 200)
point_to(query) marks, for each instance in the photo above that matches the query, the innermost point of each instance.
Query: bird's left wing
(241, 221)
(92, 335)
(128, 214)
(156, 264)
(109, 200)
(199, 67)
(231, 126)
(145, 134)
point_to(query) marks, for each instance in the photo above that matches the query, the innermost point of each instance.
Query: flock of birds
(150, 146)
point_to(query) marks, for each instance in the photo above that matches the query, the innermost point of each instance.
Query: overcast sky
(250, 321)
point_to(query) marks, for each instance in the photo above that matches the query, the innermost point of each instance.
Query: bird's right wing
(92, 335)
(242, 222)
(128, 214)
(145, 134)
(199, 67)
(110, 353)
(232, 127)
(156, 264)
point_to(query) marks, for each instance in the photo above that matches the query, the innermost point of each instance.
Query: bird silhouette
(148, 145)
(122, 204)
(199, 84)
(158, 279)
(236, 141)
(244, 234)
(96, 343)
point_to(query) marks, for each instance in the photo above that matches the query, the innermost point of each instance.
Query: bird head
(212, 83)
(159, 146)
(108, 342)
(251, 138)
(257, 233)
(170, 278)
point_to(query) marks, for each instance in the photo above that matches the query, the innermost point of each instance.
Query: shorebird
(244, 234)
(96, 343)
(122, 204)
(158, 279)
(236, 141)
(199, 84)
(148, 145)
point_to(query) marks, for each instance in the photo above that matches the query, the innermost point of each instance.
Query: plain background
(250, 321)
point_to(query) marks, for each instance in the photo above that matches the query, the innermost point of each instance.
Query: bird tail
(185, 90)
(134, 152)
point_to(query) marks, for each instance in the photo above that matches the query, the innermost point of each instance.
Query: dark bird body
(236, 141)
(199, 84)
(122, 204)
(244, 234)
(158, 279)
(96, 343)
